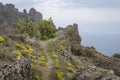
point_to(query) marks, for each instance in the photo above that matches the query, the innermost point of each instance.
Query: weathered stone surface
(108, 63)
(35, 16)
(10, 15)
(76, 28)
(95, 73)
(76, 49)
(116, 55)
(73, 35)
(24, 11)
(19, 70)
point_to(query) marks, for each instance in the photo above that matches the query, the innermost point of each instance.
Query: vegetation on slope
(53, 55)
(44, 30)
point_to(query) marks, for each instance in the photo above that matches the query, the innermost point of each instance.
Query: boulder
(95, 73)
(18, 70)
(73, 35)
(116, 55)
(76, 49)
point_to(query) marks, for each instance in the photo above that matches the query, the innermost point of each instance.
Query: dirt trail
(46, 70)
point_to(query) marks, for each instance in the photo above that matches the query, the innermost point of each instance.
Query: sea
(107, 44)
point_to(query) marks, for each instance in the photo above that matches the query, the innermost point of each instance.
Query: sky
(66, 12)
(94, 17)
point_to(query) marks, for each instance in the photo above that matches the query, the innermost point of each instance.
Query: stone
(24, 11)
(94, 73)
(76, 49)
(18, 70)
(116, 55)
(35, 16)
(73, 35)
(76, 28)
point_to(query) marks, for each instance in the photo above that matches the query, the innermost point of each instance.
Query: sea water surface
(107, 44)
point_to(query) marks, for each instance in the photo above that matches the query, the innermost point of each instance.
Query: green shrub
(27, 27)
(37, 77)
(36, 73)
(1, 39)
(90, 51)
(70, 69)
(69, 64)
(44, 37)
(59, 75)
(20, 46)
(18, 53)
(54, 56)
(42, 58)
(47, 29)
(2, 55)
(52, 46)
(44, 64)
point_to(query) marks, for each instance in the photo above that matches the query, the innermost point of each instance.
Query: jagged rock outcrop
(24, 11)
(71, 40)
(35, 16)
(95, 73)
(106, 62)
(73, 35)
(75, 39)
(61, 55)
(10, 15)
(116, 55)
(18, 70)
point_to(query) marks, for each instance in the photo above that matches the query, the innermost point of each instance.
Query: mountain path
(47, 70)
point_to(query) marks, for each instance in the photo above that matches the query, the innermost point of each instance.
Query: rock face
(69, 56)
(19, 70)
(95, 73)
(116, 55)
(10, 15)
(35, 16)
(75, 39)
(24, 11)
(71, 33)
(107, 63)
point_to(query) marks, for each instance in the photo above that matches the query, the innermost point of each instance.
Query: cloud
(90, 3)
(83, 12)
(23, 4)
(81, 3)
(84, 15)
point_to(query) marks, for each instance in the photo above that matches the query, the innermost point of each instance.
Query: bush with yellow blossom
(1, 39)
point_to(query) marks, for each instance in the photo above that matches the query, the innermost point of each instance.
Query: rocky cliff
(94, 65)
(18, 70)
(60, 56)
(10, 15)
(35, 16)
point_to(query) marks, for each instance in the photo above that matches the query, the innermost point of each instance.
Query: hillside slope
(33, 49)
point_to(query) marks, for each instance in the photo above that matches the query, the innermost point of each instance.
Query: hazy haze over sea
(106, 44)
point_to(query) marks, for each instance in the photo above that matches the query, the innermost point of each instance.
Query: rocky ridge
(95, 66)
(26, 58)
(18, 70)
(10, 15)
